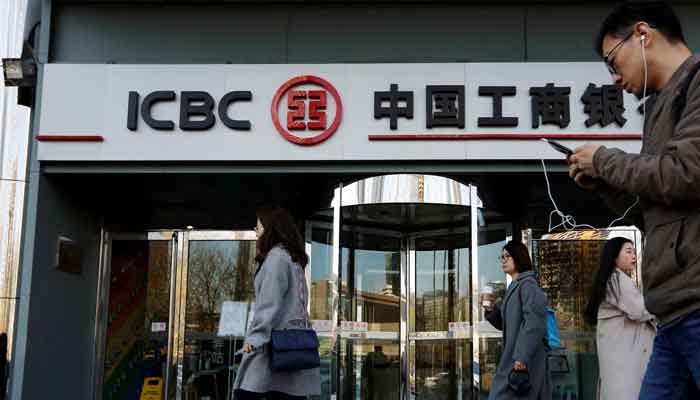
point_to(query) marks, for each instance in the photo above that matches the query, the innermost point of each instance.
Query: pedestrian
(281, 296)
(643, 47)
(522, 371)
(624, 328)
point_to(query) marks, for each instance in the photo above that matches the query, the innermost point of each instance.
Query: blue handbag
(294, 349)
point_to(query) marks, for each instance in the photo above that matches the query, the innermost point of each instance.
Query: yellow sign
(152, 389)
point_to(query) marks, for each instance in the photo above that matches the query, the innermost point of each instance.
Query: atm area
(397, 265)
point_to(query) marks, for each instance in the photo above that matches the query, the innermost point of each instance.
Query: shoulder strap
(520, 297)
(520, 287)
(681, 100)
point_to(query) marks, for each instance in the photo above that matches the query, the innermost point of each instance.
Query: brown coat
(666, 179)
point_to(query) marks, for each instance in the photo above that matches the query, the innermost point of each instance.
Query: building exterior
(404, 137)
(14, 132)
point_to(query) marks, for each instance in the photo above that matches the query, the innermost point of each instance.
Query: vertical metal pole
(336, 392)
(407, 269)
(171, 314)
(101, 311)
(474, 290)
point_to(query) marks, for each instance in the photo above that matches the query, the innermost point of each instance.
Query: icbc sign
(307, 110)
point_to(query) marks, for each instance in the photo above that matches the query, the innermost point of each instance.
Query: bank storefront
(407, 180)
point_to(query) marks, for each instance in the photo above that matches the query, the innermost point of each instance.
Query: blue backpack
(551, 337)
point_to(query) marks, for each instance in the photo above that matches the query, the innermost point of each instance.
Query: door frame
(366, 192)
(180, 322)
(179, 249)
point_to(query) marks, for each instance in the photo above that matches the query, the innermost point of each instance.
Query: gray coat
(524, 327)
(281, 295)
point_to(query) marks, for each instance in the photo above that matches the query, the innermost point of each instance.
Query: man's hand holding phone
(581, 166)
(580, 162)
(559, 147)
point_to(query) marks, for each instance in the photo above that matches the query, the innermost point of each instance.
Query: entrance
(161, 323)
(395, 266)
(406, 289)
(395, 269)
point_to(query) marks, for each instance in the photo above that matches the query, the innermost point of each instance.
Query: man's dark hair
(658, 14)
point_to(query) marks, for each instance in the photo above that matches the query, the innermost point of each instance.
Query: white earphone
(642, 38)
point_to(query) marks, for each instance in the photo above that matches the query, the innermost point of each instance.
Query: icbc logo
(307, 108)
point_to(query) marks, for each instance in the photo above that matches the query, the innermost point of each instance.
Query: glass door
(215, 292)
(370, 314)
(173, 309)
(405, 313)
(134, 335)
(440, 337)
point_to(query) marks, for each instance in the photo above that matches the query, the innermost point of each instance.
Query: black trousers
(240, 394)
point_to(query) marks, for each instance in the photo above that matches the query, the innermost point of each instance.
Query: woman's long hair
(602, 280)
(279, 229)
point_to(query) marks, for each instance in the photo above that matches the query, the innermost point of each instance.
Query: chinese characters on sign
(445, 106)
(306, 117)
(604, 105)
(395, 109)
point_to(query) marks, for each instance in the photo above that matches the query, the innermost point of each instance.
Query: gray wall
(61, 305)
(302, 33)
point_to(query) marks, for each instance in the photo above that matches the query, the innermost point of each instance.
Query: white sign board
(232, 321)
(333, 112)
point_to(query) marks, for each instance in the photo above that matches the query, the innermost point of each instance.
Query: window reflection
(371, 283)
(565, 270)
(492, 280)
(323, 281)
(323, 301)
(370, 369)
(138, 312)
(441, 370)
(442, 287)
(217, 271)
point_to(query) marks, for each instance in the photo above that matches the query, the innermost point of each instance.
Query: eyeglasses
(503, 257)
(608, 60)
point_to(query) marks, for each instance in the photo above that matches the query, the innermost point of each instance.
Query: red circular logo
(297, 115)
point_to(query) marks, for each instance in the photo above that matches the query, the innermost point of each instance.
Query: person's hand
(520, 366)
(581, 166)
(248, 348)
(489, 306)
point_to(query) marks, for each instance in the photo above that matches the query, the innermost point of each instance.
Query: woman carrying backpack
(522, 371)
(625, 331)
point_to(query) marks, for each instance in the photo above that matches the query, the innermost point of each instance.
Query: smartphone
(559, 147)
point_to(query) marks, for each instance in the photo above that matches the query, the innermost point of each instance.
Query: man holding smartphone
(644, 49)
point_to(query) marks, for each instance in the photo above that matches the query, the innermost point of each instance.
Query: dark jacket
(524, 326)
(666, 178)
